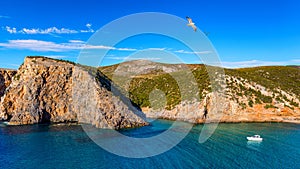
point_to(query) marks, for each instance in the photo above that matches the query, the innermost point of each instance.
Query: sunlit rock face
(46, 90)
(5, 79)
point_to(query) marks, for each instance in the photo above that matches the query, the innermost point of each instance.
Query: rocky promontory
(46, 90)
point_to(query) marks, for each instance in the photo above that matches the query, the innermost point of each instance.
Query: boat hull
(254, 139)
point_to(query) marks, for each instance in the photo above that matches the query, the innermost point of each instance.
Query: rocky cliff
(260, 94)
(44, 90)
(231, 113)
(47, 90)
(5, 79)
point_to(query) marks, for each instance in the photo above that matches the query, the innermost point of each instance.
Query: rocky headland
(45, 90)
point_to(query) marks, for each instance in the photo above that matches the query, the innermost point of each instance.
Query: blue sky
(244, 32)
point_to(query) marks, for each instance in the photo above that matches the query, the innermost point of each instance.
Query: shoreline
(6, 123)
(230, 121)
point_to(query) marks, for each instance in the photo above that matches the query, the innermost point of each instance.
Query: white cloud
(11, 30)
(296, 60)
(125, 49)
(86, 31)
(3, 16)
(51, 30)
(40, 31)
(99, 47)
(134, 58)
(108, 47)
(194, 52)
(39, 45)
(58, 56)
(76, 41)
(159, 49)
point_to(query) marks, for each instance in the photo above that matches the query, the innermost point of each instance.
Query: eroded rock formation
(231, 112)
(6, 76)
(47, 90)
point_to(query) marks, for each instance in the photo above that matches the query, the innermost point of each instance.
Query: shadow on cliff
(45, 117)
(105, 82)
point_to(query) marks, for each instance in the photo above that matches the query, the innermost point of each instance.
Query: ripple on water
(66, 146)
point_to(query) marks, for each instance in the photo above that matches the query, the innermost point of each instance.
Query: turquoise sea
(50, 146)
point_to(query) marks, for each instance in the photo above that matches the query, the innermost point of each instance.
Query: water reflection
(254, 145)
(24, 129)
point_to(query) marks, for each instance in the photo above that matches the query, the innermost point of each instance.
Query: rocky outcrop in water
(47, 90)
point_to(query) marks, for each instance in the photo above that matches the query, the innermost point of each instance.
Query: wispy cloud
(39, 45)
(159, 49)
(40, 31)
(58, 56)
(107, 47)
(296, 60)
(11, 30)
(76, 41)
(124, 49)
(51, 30)
(134, 58)
(9, 65)
(193, 52)
(3, 16)
(255, 63)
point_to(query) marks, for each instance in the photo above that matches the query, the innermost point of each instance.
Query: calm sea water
(48, 146)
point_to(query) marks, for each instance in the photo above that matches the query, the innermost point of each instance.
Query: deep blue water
(49, 146)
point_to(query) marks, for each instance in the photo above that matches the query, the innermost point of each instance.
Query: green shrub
(250, 103)
(17, 77)
(257, 101)
(270, 106)
(294, 103)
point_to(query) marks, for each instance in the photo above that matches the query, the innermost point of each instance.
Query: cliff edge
(46, 90)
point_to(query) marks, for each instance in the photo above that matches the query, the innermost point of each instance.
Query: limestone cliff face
(232, 110)
(98, 103)
(40, 92)
(250, 95)
(261, 94)
(47, 90)
(5, 79)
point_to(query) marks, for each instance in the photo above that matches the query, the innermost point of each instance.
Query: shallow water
(49, 146)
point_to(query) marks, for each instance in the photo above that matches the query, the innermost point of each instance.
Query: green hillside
(278, 83)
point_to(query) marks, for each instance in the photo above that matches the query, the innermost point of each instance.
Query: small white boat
(255, 138)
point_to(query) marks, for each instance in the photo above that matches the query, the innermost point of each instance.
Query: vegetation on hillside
(272, 78)
(57, 60)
